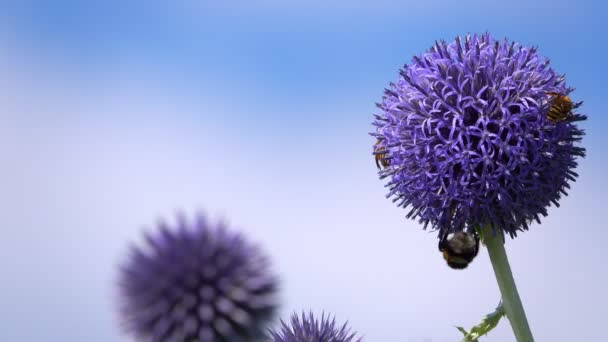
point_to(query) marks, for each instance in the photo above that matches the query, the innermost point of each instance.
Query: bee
(561, 107)
(459, 249)
(380, 156)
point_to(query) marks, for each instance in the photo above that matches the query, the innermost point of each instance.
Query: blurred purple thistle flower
(196, 283)
(310, 329)
(471, 134)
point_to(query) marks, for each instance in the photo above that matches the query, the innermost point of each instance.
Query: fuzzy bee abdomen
(561, 108)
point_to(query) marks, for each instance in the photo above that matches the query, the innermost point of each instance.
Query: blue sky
(117, 113)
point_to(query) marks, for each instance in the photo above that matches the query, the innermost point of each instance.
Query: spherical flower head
(310, 329)
(478, 132)
(196, 282)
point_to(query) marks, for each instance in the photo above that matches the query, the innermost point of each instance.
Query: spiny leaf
(488, 323)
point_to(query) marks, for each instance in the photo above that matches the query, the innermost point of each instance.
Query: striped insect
(459, 249)
(380, 155)
(561, 107)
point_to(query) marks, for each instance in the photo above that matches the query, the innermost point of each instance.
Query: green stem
(511, 302)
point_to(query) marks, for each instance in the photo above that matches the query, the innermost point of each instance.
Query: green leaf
(489, 322)
(467, 335)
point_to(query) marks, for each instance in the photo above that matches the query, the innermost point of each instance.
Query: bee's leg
(476, 236)
(442, 242)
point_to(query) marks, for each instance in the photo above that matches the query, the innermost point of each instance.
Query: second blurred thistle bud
(307, 328)
(197, 282)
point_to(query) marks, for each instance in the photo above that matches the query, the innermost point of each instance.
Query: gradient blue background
(114, 114)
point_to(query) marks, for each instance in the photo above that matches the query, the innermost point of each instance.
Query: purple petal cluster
(310, 329)
(467, 140)
(196, 282)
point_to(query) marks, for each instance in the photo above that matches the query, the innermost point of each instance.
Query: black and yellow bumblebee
(561, 107)
(459, 248)
(380, 156)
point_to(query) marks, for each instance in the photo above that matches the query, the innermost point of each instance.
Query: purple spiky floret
(196, 282)
(467, 136)
(310, 329)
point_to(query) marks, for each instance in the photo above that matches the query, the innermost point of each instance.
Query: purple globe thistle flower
(310, 329)
(478, 132)
(198, 282)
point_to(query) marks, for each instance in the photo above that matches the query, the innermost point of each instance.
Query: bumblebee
(459, 249)
(561, 107)
(380, 156)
